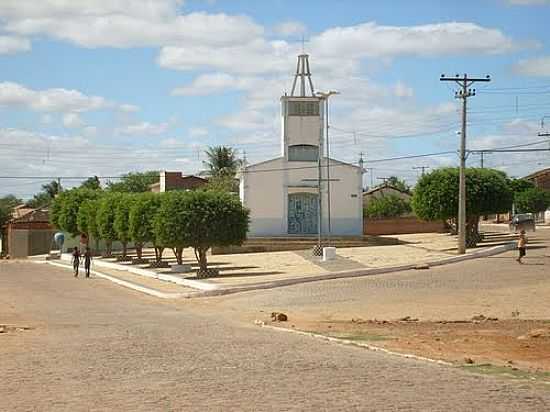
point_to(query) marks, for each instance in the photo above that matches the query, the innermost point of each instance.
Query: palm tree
(52, 188)
(222, 161)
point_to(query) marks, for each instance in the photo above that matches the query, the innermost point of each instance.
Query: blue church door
(302, 213)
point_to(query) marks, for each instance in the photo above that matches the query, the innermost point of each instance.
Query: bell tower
(302, 117)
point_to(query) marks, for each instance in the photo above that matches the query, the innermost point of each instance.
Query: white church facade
(283, 193)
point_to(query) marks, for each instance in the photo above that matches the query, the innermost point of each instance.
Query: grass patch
(490, 369)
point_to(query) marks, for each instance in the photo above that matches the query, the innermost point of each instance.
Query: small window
(303, 153)
(296, 108)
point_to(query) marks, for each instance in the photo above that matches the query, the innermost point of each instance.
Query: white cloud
(342, 48)
(46, 119)
(11, 44)
(75, 155)
(72, 121)
(539, 67)
(198, 132)
(52, 100)
(128, 108)
(402, 90)
(211, 83)
(290, 28)
(124, 23)
(527, 2)
(144, 129)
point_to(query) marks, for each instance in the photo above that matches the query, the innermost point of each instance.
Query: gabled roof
(378, 188)
(539, 173)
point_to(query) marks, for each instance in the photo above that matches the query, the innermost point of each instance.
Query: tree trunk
(96, 240)
(178, 251)
(472, 231)
(200, 254)
(139, 250)
(124, 249)
(158, 253)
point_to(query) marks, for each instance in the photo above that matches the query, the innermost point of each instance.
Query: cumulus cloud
(539, 67)
(144, 129)
(121, 23)
(73, 121)
(290, 28)
(76, 155)
(11, 44)
(527, 2)
(212, 83)
(342, 48)
(52, 100)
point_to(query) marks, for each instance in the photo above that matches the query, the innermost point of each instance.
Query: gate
(302, 213)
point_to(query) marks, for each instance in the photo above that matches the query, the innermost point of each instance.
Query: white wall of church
(265, 192)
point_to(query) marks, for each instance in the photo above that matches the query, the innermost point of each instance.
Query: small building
(28, 233)
(540, 179)
(383, 191)
(176, 181)
(283, 194)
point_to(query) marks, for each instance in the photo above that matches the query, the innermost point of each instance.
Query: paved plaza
(95, 346)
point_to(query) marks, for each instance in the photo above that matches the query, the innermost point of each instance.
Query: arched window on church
(303, 153)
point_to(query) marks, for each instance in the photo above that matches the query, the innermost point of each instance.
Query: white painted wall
(265, 192)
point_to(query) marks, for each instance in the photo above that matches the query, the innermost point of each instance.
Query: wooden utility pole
(463, 93)
(423, 168)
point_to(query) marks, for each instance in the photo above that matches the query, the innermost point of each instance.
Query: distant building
(540, 179)
(382, 191)
(283, 193)
(28, 233)
(176, 181)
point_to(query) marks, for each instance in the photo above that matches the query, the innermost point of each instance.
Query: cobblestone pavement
(494, 286)
(98, 347)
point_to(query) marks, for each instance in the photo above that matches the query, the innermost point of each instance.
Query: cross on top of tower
(302, 74)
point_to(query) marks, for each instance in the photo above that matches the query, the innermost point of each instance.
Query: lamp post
(325, 96)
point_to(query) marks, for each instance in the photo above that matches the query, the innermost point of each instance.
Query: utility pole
(325, 97)
(423, 168)
(384, 180)
(370, 170)
(464, 92)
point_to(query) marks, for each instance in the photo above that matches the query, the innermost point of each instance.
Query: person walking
(76, 261)
(87, 261)
(522, 242)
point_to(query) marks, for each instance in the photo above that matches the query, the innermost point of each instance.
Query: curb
(209, 289)
(126, 284)
(359, 344)
(358, 273)
(195, 284)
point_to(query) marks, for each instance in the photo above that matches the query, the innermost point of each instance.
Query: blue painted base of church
(276, 227)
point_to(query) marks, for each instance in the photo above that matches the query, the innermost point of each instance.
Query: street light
(325, 96)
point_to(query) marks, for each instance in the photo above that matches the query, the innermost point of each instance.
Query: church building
(287, 195)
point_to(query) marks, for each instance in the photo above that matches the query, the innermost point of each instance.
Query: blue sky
(103, 87)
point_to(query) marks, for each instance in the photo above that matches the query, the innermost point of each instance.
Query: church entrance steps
(288, 243)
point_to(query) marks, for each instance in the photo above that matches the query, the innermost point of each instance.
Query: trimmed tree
(170, 223)
(140, 221)
(436, 197)
(532, 200)
(87, 220)
(121, 221)
(105, 219)
(65, 208)
(213, 219)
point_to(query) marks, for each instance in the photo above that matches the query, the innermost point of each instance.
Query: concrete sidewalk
(252, 271)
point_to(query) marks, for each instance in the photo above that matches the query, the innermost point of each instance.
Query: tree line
(174, 220)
